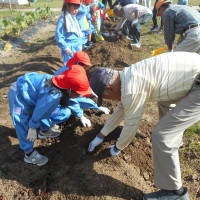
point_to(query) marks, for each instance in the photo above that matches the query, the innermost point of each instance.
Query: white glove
(113, 152)
(104, 110)
(32, 135)
(134, 21)
(85, 121)
(68, 52)
(97, 141)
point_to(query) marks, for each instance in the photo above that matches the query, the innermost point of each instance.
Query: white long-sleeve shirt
(129, 13)
(165, 77)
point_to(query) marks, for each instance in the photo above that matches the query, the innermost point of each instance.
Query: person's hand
(104, 110)
(68, 52)
(85, 121)
(106, 10)
(133, 22)
(113, 152)
(32, 135)
(97, 141)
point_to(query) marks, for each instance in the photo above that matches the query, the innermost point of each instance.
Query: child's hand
(68, 52)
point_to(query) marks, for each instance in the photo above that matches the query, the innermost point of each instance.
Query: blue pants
(21, 112)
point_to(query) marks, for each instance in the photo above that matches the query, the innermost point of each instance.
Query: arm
(134, 106)
(45, 105)
(169, 30)
(120, 24)
(59, 34)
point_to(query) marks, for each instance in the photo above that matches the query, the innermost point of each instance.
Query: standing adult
(166, 78)
(183, 20)
(133, 17)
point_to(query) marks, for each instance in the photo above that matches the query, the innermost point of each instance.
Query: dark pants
(105, 2)
(155, 16)
(134, 31)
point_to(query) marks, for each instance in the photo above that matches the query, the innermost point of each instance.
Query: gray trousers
(167, 138)
(191, 41)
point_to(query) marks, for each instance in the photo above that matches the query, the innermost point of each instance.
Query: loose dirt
(71, 173)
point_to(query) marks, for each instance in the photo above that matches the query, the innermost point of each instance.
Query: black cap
(99, 80)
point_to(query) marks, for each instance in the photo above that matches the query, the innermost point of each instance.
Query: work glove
(32, 135)
(133, 22)
(68, 52)
(85, 121)
(113, 152)
(106, 10)
(104, 110)
(97, 141)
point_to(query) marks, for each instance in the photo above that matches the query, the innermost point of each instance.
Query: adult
(34, 100)
(133, 16)
(166, 78)
(68, 33)
(183, 20)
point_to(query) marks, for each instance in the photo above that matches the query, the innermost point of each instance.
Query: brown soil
(70, 172)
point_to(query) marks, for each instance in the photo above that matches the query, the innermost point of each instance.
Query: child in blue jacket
(35, 100)
(77, 105)
(68, 33)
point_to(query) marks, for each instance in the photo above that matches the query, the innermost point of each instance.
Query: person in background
(122, 3)
(68, 33)
(165, 79)
(183, 2)
(155, 27)
(146, 3)
(84, 21)
(133, 16)
(34, 100)
(183, 20)
(77, 105)
(107, 1)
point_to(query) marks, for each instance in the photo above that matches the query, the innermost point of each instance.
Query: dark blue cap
(99, 80)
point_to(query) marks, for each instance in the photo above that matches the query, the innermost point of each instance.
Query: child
(33, 98)
(77, 105)
(68, 33)
(84, 21)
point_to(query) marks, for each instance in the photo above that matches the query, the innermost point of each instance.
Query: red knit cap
(74, 79)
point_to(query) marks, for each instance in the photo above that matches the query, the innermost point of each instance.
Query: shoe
(155, 29)
(137, 45)
(36, 159)
(55, 127)
(51, 133)
(127, 37)
(166, 195)
(89, 44)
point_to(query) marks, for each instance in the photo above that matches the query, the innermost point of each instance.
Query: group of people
(39, 102)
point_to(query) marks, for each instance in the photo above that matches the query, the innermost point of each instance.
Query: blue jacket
(35, 97)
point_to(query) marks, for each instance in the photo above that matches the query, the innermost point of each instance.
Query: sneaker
(127, 37)
(51, 133)
(55, 127)
(36, 158)
(166, 195)
(89, 44)
(137, 45)
(155, 29)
